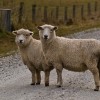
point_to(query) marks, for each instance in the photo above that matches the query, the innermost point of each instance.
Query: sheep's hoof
(97, 88)
(32, 83)
(38, 83)
(46, 84)
(58, 86)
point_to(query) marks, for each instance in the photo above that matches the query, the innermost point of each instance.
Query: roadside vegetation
(7, 40)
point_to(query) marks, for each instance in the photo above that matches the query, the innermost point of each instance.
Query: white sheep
(32, 55)
(72, 54)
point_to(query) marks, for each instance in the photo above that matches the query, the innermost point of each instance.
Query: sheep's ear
(14, 32)
(40, 28)
(55, 28)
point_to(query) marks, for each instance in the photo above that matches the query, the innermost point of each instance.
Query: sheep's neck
(46, 44)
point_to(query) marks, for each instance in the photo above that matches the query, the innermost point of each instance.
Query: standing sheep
(32, 55)
(72, 54)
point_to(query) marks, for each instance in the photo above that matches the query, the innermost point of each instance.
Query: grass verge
(7, 44)
(7, 40)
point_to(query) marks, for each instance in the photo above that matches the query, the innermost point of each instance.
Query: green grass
(7, 44)
(67, 30)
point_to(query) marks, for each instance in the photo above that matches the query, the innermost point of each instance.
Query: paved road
(15, 80)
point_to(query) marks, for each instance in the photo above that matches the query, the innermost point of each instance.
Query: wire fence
(54, 14)
(62, 14)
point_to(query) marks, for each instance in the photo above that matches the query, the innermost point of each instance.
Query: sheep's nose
(21, 41)
(45, 36)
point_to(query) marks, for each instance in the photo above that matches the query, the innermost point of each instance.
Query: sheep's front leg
(32, 70)
(59, 75)
(38, 77)
(33, 78)
(47, 74)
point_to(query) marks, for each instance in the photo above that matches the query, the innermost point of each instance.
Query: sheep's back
(74, 53)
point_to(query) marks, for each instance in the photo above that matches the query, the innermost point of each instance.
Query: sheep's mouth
(45, 38)
(20, 43)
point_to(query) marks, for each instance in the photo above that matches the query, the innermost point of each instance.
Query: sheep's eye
(42, 30)
(51, 31)
(17, 34)
(27, 35)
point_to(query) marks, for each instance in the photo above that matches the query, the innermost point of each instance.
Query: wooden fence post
(82, 11)
(33, 13)
(45, 14)
(65, 14)
(89, 9)
(74, 11)
(21, 9)
(57, 12)
(95, 6)
(5, 19)
(4, 2)
(51, 15)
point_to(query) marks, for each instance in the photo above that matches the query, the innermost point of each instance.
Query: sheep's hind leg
(95, 73)
(99, 68)
(96, 78)
(33, 78)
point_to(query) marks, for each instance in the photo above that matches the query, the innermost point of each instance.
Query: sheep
(32, 55)
(76, 55)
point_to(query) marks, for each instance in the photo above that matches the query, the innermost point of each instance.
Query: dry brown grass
(7, 43)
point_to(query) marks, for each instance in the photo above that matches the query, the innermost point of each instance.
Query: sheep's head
(47, 32)
(22, 36)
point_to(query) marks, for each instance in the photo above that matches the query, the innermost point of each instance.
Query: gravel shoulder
(15, 80)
